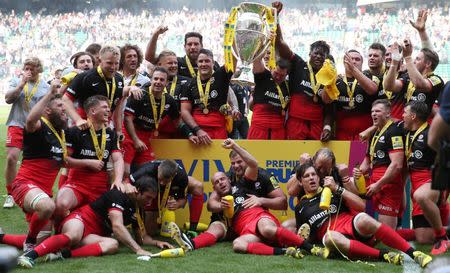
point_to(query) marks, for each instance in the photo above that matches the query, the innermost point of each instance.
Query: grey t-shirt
(18, 114)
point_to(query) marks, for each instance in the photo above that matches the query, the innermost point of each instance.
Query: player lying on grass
(257, 230)
(85, 231)
(350, 234)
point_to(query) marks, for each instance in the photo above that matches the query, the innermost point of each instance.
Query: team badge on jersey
(397, 142)
(275, 182)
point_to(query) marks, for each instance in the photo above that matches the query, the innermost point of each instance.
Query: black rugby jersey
(42, 143)
(181, 82)
(299, 78)
(266, 91)
(82, 145)
(183, 69)
(143, 113)
(422, 156)
(114, 200)
(218, 94)
(390, 140)
(362, 102)
(179, 182)
(89, 83)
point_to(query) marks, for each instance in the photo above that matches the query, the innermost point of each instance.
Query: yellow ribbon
(163, 202)
(29, 95)
(351, 91)
(280, 95)
(140, 222)
(408, 150)
(133, 80)
(204, 95)
(61, 138)
(374, 141)
(230, 26)
(314, 86)
(156, 118)
(110, 93)
(173, 85)
(190, 67)
(410, 91)
(99, 149)
(270, 19)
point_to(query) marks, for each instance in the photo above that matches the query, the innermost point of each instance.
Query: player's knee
(332, 240)
(289, 225)
(63, 204)
(45, 208)
(421, 197)
(365, 223)
(109, 246)
(195, 186)
(240, 246)
(267, 231)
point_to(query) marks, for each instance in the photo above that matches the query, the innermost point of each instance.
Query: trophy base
(244, 78)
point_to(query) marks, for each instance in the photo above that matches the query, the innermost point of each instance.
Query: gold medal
(156, 133)
(205, 111)
(351, 103)
(316, 99)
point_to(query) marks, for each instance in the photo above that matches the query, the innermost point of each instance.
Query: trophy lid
(253, 8)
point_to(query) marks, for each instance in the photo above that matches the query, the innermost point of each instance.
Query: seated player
(88, 228)
(346, 232)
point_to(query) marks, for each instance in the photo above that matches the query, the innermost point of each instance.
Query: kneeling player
(89, 226)
(345, 232)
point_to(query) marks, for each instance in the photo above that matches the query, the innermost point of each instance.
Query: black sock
(1, 237)
(66, 253)
(279, 251)
(193, 226)
(410, 252)
(382, 252)
(307, 246)
(30, 240)
(32, 254)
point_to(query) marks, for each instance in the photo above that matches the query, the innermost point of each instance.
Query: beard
(56, 121)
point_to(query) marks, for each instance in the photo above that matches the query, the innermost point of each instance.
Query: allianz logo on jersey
(281, 169)
(87, 152)
(56, 150)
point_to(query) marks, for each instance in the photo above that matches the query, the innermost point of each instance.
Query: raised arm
(251, 172)
(33, 122)
(419, 25)
(419, 81)
(150, 52)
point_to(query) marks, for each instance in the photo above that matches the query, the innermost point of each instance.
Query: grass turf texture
(213, 259)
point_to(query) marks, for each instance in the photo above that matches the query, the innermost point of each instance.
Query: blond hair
(34, 61)
(109, 49)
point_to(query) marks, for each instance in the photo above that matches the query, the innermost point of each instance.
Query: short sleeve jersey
(114, 200)
(82, 146)
(242, 187)
(183, 69)
(422, 156)
(19, 110)
(89, 83)
(218, 94)
(299, 78)
(143, 113)
(391, 140)
(179, 182)
(266, 91)
(419, 95)
(362, 102)
(42, 143)
(140, 80)
(180, 85)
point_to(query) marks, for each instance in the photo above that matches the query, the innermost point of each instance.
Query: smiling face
(170, 63)
(192, 47)
(317, 57)
(100, 112)
(221, 183)
(376, 59)
(239, 166)
(159, 81)
(109, 63)
(84, 62)
(205, 65)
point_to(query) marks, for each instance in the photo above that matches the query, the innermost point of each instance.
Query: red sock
(360, 250)
(36, 225)
(9, 189)
(440, 233)
(87, 250)
(286, 237)
(52, 244)
(407, 234)
(195, 210)
(391, 238)
(259, 249)
(62, 180)
(204, 240)
(14, 240)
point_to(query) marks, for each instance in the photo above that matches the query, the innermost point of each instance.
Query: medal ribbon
(61, 138)
(204, 95)
(410, 91)
(139, 220)
(388, 93)
(190, 67)
(281, 96)
(230, 26)
(110, 93)
(29, 96)
(374, 141)
(314, 86)
(408, 151)
(271, 21)
(163, 202)
(173, 85)
(156, 118)
(351, 91)
(133, 80)
(99, 150)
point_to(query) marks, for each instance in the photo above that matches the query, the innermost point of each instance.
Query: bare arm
(251, 172)
(419, 81)
(368, 85)
(121, 232)
(351, 200)
(293, 186)
(420, 26)
(12, 95)
(214, 203)
(390, 82)
(150, 52)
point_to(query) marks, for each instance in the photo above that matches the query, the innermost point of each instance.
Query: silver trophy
(251, 40)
